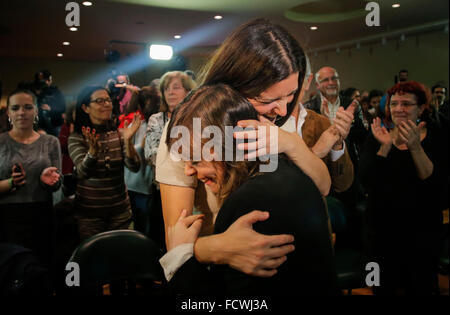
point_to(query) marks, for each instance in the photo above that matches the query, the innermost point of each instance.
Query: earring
(9, 120)
(36, 119)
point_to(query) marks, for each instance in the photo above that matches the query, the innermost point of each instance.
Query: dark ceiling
(36, 28)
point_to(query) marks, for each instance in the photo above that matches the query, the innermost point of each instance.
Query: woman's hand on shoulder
(250, 252)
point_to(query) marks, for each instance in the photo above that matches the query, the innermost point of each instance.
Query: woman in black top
(294, 204)
(403, 170)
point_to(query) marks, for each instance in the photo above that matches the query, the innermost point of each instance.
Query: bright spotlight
(161, 52)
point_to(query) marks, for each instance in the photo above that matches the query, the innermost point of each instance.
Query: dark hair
(375, 93)
(24, 91)
(220, 106)
(254, 57)
(403, 70)
(437, 86)
(42, 75)
(146, 100)
(70, 109)
(347, 93)
(81, 117)
(419, 90)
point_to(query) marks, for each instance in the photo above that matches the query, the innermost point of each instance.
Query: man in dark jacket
(51, 102)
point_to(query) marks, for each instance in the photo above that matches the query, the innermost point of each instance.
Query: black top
(296, 207)
(402, 207)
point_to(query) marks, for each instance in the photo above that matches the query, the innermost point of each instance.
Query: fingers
(282, 242)
(248, 123)
(250, 218)
(265, 273)
(188, 221)
(250, 134)
(182, 215)
(274, 263)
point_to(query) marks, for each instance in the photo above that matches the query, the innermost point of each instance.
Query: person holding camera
(30, 165)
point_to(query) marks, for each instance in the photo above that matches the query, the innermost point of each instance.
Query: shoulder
(4, 136)
(51, 140)
(156, 117)
(317, 118)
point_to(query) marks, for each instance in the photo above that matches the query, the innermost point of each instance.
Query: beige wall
(427, 62)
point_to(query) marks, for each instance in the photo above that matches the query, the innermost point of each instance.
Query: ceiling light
(218, 17)
(313, 28)
(66, 43)
(73, 29)
(177, 36)
(87, 3)
(161, 52)
(59, 55)
(396, 5)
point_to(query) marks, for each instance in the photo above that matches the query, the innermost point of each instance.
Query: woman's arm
(6, 185)
(78, 151)
(153, 138)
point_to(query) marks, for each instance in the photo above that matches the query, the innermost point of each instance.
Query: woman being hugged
(403, 170)
(30, 166)
(100, 152)
(266, 65)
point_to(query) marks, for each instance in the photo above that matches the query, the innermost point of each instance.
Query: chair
(120, 256)
(350, 263)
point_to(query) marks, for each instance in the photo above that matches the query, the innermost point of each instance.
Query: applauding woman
(403, 169)
(30, 165)
(99, 152)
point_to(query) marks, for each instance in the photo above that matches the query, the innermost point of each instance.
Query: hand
(344, 119)
(409, 133)
(267, 137)
(326, 142)
(253, 253)
(50, 176)
(185, 231)
(129, 130)
(45, 107)
(18, 176)
(324, 107)
(380, 133)
(92, 140)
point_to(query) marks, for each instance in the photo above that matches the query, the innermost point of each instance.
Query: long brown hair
(254, 57)
(221, 106)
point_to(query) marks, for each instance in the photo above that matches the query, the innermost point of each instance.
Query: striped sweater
(101, 190)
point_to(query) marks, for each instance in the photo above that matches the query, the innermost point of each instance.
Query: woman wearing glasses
(403, 170)
(30, 165)
(99, 152)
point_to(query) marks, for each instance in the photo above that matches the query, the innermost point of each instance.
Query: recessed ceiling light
(59, 55)
(313, 28)
(177, 36)
(218, 17)
(396, 5)
(87, 3)
(73, 29)
(66, 43)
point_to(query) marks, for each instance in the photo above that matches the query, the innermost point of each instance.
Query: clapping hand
(130, 129)
(92, 140)
(409, 133)
(50, 176)
(380, 133)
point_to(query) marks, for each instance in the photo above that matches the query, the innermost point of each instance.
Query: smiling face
(211, 173)
(100, 107)
(404, 107)
(174, 93)
(328, 82)
(273, 102)
(22, 111)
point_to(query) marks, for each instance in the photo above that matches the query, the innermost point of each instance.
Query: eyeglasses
(404, 104)
(332, 79)
(101, 101)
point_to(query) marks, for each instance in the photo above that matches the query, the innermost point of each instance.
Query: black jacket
(296, 207)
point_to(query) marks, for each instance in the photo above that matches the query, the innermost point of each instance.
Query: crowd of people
(225, 226)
